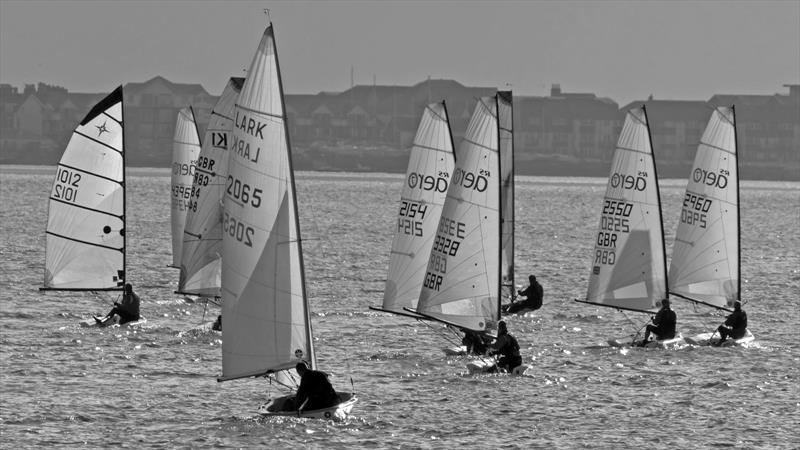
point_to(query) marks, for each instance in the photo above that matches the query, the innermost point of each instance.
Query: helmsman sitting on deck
(507, 347)
(315, 390)
(663, 324)
(534, 295)
(735, 324)
(127, 310)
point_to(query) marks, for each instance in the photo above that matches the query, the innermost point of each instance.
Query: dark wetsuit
(315, 387)
(507, 347)
(534, 294)
(664, 325)
(127, 310)
(735, 325)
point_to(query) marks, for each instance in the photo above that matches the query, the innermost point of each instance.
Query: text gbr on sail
(615, 219)
(447, 242)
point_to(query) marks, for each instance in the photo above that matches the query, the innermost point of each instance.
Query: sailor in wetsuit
(507, 347)
(663, 324)
(735, 324)
(315, 390)
(534, 294)
(127, 310)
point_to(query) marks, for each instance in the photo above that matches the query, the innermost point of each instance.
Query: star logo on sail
(101, 129)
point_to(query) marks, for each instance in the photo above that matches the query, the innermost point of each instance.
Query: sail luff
(738, 211)
(85, 234)
(506, 144)
(658, 196)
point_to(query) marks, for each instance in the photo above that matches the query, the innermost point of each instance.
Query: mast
(499, 209)
(738, 215)
(124, 193)
(309, 337)
(658, 197)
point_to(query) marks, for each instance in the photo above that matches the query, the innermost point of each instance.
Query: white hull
(706, 339)
(488, 366)
(455, 351)
(274, 407)
(112, 322)
(662, 343)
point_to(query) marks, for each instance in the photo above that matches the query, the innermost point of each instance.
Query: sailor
(315, 391)
(534, 294)
(217, 325)
(663, 324)
(735, 324)
(507, 347)
(127, 310)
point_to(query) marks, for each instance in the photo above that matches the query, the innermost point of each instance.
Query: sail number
(243, 192)
(408, 212)
(694, 209)
(66, 185)
(238, 230)
(615, 219)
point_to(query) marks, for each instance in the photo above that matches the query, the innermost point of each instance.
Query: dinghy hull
(275, 407)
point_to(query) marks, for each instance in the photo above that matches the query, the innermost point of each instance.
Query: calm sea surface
(66, 386)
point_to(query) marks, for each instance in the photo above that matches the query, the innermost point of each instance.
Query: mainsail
(429, 167)
(628, 262)
(86, 220)
(705, 259)
(202, 235)
(462, 283)
(505, 116)
(185, 148)
(267, 324)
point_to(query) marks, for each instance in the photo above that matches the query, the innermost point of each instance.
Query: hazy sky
(625, 50)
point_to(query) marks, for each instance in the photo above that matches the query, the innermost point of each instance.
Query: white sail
(185, 148)
(429, 167)
(628, 262)
(505, 114)
(265, 309)
(705, 258)
(86, 221)
(201, 263)
(462, 281)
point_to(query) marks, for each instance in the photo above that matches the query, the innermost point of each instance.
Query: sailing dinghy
(86, 241)
(267, 328)
(200, 263)
(462, 284)
(430, 165)
(185, 149)
(705, 267)
(629, 269)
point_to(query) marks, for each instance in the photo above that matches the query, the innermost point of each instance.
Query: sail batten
(201, 264)
(266, 311)
(85, 231)
(705, 262)
(628, 263)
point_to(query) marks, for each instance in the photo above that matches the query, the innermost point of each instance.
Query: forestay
(267, 326)
(505, 111)
(628, 264)
(429, 168)
(86, 217)
(185, 149)
(705, 258)
(202, 235)
(462, 282)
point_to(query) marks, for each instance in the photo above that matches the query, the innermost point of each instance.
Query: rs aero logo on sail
(638, 183)
(427, 182)
(710, 178)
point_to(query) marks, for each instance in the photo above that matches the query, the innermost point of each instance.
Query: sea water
(62, 385)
